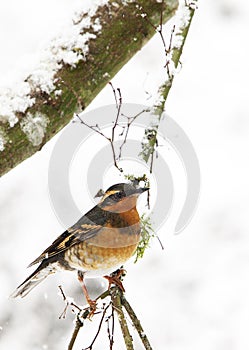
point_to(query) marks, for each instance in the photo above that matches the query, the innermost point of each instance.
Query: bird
(99, 242)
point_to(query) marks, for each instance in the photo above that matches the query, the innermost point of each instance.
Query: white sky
(197, 288)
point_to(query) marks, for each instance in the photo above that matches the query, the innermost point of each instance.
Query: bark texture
(124, 31)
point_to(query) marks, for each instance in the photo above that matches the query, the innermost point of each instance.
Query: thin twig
(159, 29)
(151, 161)
(118, 106)
(96, 129)
(114, 93)
(127, 128)
(111, 331)
(136, 323)
(78, 325)
(68, 303)
(118, 102)
(173, 54)
(79, 316)
(78, 322)
(118, 114)
(99, 328)
(118, 301)
(112, 334)
(168, 52)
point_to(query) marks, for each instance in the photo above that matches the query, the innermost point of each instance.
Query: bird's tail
(43, 271)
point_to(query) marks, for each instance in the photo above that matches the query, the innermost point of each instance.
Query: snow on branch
(69, 49)
(173, 52)
(72, 71)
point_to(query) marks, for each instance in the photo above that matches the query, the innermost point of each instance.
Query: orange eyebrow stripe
(107, 194)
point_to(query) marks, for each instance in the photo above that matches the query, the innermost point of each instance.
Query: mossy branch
(119, 305)
(124, 31)
(173, 55)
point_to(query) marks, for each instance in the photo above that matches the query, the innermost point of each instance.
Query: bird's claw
(115, 278)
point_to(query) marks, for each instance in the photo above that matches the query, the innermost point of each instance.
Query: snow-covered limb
(69, 48)
(73, 70)
(182, 22)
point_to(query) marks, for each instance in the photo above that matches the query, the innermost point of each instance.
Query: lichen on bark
(76, 86)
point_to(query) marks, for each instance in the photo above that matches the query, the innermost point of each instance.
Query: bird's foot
(92, 308)
(116, 278)
(92, 303)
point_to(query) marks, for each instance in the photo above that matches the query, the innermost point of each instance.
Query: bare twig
(118, 106)
(79, 316)
(96, 129)
(99, 328)
(126, 129)
(159, 30)
(118, 114)
(68, 303)
(117, 303)
(173, 53)
(110, 330)
(114, 93)
(78, 325)
(118, 102)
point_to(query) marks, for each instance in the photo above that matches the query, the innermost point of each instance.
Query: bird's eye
(118, 195)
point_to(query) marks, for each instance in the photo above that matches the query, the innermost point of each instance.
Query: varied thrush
(100, 241)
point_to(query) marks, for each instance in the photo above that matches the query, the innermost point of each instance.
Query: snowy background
(194, 294)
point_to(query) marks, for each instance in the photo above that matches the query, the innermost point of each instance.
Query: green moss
(147, 233)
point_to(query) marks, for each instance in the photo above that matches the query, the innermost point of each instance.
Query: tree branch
(74, 86)
(78, 325)
(173, 54)
(116, 301)
(136, 323)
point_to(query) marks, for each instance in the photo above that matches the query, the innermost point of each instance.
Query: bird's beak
(145, 189)
(142, 189)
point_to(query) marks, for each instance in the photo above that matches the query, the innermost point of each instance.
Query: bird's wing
(84, 229)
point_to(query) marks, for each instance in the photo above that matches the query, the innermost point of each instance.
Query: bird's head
(121, 197)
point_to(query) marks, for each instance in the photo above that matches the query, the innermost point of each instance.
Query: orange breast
(109, 248)
(112, 245)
